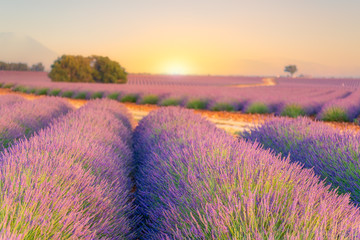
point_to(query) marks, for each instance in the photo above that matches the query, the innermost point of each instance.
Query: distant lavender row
(288, 102)
(23, 118)
(332, 154)
(196, 182)
(320, 82)
(346, 109)
(71, 181)
(144, 79)
(8, 100)
(291, 97)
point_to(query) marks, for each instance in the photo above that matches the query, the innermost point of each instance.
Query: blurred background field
(329, 99)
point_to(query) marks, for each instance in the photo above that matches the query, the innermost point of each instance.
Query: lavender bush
(194, 181)
(71, 180)
(293, 110)
(345, 109)
(8, 100)
(333, 155)
(312, 96)
(25, 117)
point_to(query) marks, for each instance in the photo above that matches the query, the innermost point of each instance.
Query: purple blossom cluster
(313, 95)
(333, 155)
(350, 105)
(319, 82)
(71, 180)
(194, 181)
(9, 99)
(21, 118)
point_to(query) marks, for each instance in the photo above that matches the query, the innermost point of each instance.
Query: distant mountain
(21, 48)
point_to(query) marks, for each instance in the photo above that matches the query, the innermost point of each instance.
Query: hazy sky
(198, 36)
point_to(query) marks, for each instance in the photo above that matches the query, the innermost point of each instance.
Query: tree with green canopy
(107, 71)
(290, 69)
(39, 67)
(70, 68)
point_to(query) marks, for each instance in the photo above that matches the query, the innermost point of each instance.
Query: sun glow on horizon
(176, 69)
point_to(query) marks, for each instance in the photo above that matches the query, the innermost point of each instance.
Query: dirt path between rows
(232, 122)
(266, 82)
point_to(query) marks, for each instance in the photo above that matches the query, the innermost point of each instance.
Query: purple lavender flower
(23, 118)
(333, 155)
(9, 99)
(345, 109)
(71, 180)
(194, 181)
(311, 95)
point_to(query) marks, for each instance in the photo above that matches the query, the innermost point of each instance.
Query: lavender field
(325, 99)
(180, 120)
(87, 173)
(333, 155)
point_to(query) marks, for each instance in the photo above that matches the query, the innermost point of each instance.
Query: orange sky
(198, 37)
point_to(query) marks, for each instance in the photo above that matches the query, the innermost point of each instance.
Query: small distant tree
(39, 67)
(70, 68)
(107, 71)
(290, 69)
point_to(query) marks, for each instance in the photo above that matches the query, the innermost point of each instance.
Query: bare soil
(266, 82)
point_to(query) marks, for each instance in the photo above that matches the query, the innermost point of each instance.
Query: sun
(177, 69)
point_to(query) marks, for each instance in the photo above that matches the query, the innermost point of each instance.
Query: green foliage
(97, 95)
(67, 94)
(19, 89)
(39, 67)
(24, 90)
(107, 71)
(113, 96)
(13, 66)
(16, 88)
(1, 84)
(32, 90)
(8, 85)
(81, 95)
(129, 98)
(42, 91)
(197, 104)
(55, 92)
(335, 114)
(70, 68)
(150, 99)
(258, 107)
(293, 110)
(290, 69)
(222, 106)
(170, 102)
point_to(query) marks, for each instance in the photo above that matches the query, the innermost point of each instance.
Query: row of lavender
(71, 180)
(330, 105)
(193, 181)
(9, 100)
(326, 101)
(196, 182)
(333, 155)
(21, 118)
